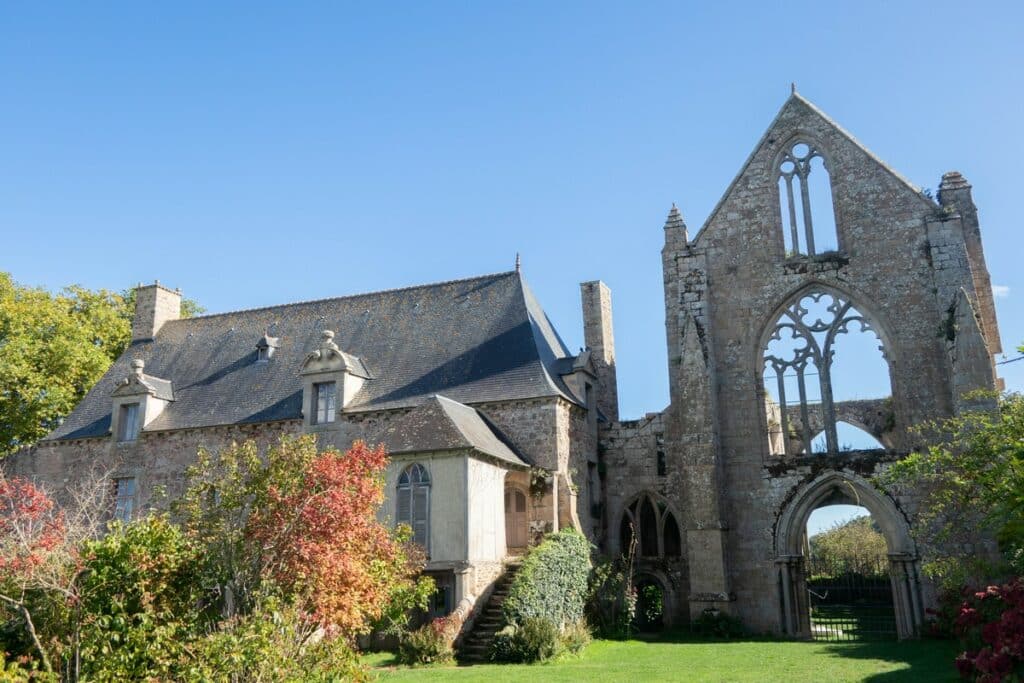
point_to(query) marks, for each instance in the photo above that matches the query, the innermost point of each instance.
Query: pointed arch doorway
(794, 568)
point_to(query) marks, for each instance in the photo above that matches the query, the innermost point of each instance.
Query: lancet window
(805, 195)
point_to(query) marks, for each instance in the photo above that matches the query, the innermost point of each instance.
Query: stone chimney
(154, 306)
(600, 339)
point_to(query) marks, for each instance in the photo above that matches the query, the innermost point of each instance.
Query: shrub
(430, 643)
(552, 583)
(576, 636)
(612, 599)
(535, 640)
(991, 628)
(718, 625)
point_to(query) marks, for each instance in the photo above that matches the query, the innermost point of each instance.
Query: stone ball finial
(137, 365)
(327, 335)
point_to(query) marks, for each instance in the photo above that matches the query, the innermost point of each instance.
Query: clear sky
(226, 150)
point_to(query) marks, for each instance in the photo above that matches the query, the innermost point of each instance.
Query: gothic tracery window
(656, 529)
(807, 390)
(805, 195)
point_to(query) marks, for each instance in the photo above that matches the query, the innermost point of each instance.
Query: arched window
(805, 195)
(413, 502)
(655, 525)
(822, 360)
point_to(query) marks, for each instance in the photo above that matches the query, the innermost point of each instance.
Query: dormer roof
(137, 383)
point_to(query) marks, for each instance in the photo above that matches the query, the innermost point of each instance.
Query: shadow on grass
(925, 660)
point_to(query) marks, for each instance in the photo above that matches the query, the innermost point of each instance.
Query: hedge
(552, 583)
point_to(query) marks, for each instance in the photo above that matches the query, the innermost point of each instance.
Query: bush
(535, 640)
(552, 583)
(991, 628)
(429, 644)
(718, 625)
(576, 636)
(612, 599)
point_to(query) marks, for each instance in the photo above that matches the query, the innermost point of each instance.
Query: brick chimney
(154, 305)
(600, 339)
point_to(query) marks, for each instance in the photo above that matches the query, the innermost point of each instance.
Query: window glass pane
(124, 498)
(129, 422)
(325, 402)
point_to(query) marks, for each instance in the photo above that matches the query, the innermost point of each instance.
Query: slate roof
(474, 340)
(441, 424)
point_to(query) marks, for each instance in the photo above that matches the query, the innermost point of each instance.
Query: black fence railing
(850, 599)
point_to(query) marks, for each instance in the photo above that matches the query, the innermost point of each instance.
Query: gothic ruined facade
(825, 307)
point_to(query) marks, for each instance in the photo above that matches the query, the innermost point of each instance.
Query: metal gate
(850, 599)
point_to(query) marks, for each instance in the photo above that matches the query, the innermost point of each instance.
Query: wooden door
(515, 518)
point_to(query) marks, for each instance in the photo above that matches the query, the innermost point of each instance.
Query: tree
(971, 488)
(301, 523)
(852, 546)
(55, 347)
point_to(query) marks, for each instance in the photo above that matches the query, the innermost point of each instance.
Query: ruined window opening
(805, 197)
(656, 528)
(807, 391)
(413, 502)
(662, 468)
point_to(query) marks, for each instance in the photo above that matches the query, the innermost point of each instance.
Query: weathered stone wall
(156, 459)
(726, 286)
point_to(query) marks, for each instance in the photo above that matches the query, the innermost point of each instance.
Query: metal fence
(850, 599)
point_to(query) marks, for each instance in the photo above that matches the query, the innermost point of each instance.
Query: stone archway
(831, 488)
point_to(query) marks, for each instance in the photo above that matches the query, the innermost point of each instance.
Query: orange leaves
(321, 538)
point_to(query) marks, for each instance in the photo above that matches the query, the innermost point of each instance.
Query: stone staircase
(476, 645)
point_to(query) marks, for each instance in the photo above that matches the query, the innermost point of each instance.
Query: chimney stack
(600, 339)
(154, 306)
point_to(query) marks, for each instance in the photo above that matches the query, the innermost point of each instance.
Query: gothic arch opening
(825, 372)
(653, 525)
(806, 583)
(805, 200)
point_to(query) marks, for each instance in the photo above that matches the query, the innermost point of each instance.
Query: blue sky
(220, 148)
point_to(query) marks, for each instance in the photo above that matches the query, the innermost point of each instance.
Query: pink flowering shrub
(991, 626)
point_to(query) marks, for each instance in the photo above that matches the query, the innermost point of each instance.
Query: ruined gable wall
(885, 266)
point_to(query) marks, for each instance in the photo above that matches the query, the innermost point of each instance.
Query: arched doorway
(650, 604)
(516, 519)
(794, 565)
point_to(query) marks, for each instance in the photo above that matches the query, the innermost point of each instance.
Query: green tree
(851, 546)
(971, 488)
(54, 348)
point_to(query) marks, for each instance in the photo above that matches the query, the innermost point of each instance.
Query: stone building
(498, 433)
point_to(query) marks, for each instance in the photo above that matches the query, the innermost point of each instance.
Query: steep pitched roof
(475, 340)
(442, 424)
(796, 100)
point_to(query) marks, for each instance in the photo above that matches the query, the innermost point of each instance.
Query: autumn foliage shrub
(991, 627)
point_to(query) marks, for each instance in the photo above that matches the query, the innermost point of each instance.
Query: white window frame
(325, 406)
(128, 429)
(125, 492)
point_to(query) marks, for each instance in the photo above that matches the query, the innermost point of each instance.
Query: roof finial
(792, 87)
(519, 262)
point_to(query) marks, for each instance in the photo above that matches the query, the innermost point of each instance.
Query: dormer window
(325, 397)
(129, 422)
(265, 348)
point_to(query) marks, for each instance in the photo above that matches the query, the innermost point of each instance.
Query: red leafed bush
(322, 539)
(30, 527)
(991, 626)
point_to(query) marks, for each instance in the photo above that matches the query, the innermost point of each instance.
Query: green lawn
(754, 660)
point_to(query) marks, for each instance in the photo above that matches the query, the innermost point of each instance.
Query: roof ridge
(349, 296)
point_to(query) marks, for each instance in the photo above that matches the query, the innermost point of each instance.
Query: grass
(701, 660)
